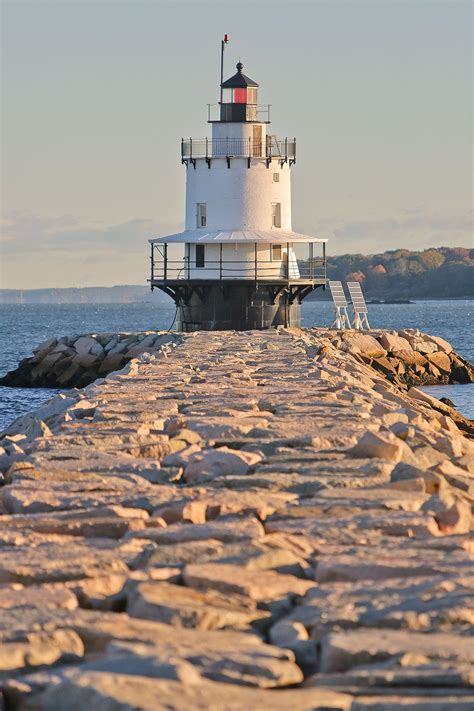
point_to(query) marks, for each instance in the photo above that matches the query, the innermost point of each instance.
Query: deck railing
(283, 149)
(164, 269)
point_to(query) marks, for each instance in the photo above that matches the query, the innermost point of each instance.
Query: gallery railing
(283, 149)
(164, 269)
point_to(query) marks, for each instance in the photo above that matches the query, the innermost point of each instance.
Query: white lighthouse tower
(238, 264)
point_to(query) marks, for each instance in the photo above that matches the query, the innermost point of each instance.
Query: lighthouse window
(240, 96)
(276, 214)
(251, 96)
(276, 252)
(276, 177)
(200, 256)
(201, 214)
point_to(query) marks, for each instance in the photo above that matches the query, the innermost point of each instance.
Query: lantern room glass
(239, 96)
(251, 95)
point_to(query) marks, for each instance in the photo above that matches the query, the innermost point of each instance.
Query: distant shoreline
(169, 302)
(160, 299)
(441, 274)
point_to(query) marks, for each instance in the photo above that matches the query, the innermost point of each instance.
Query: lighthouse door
(257, 141)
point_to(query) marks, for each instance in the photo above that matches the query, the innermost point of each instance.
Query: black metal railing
(164, 269)
(254, 112)
(272, 147)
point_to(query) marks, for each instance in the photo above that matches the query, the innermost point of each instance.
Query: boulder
(47, 363)
(443, 345)
(84, 345)
(384, 365)
(64, 349)
(440, 360)
(86, 360)
(69, 376)
(451, 513)
(461, 371)
(434, 372)
(410, 357)
(230, 529)
(182, 457)
(343, 649)
(97, 349)
(36, 428)
(374, 444)
(394, 343)
(417, 394)
(365, 344)
(55, 596)
(433, 482)
(448, 424)
(45, 346)
(119, 347)
(229, 579)
(63, 364)
(163, 339)
(82, 408)
(112, 361)
(121, 685)
(402, 430)
(452, 445)
(182, 606)
(148, 340)
(188, 436)
(42, 648)
(220, 462)
(138, 349)
(424, 346)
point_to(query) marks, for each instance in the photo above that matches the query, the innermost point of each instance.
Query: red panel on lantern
(240, 96)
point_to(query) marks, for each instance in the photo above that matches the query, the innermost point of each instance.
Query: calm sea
(24, 326)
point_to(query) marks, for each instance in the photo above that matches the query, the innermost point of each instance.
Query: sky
(96, 96)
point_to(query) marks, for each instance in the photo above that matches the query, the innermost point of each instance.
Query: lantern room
(238, 98)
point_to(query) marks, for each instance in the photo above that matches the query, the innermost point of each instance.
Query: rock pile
(76, 361)
(245, 520)
(405, 358)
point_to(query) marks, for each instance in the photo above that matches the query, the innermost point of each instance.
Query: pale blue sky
(96, 96)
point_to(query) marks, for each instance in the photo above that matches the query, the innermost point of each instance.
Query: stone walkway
(242, 521)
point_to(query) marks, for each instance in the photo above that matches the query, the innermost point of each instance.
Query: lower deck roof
(236, 236)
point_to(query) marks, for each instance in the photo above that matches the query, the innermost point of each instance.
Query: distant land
(86, 295)
(443, 273)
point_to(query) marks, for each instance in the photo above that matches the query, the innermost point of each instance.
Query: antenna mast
(223, 44)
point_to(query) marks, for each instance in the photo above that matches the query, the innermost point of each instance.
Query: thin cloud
(68, 233)
(411, 229)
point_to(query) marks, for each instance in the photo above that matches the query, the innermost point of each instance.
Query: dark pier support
(240, 306)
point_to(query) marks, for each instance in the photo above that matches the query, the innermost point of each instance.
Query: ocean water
(24, 326)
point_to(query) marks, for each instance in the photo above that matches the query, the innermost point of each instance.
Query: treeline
(445, 272)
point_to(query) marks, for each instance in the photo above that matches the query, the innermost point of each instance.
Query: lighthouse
(238, 264)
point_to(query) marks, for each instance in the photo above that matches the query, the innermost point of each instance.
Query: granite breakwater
(406, 357)
(240, 520)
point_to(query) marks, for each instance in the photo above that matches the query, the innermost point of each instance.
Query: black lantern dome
(239, 97)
